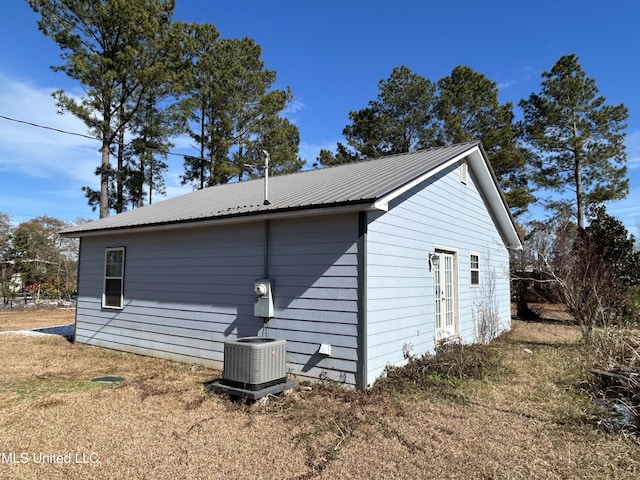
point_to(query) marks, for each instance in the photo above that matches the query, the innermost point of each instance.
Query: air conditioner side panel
(254, 364)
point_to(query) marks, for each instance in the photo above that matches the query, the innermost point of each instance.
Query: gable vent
(464, 172)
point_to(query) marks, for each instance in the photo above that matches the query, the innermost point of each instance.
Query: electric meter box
(263, 306)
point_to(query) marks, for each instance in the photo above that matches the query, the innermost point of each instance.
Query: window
(112, 296)
(474, 269)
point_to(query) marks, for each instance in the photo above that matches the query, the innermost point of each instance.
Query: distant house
(368, 259)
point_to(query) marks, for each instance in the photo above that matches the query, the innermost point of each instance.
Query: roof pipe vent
(266, 178)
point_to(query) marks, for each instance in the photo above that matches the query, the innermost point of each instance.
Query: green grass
(43, 386)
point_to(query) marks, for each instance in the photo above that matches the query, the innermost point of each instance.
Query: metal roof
(359, 184)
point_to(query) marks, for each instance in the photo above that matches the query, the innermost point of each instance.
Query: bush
(615, 384)
(451, 362)
(594, 271)
(616, 349)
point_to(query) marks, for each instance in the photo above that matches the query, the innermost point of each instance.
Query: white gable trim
(487, 184)
(497, 205)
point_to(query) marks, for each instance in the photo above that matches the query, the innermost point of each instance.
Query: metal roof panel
(352, 183)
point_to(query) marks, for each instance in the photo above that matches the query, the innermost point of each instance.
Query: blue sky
(332, 54)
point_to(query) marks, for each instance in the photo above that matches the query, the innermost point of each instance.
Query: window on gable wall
(112, 295)
(474, 269)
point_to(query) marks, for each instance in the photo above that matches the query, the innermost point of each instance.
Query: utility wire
(48, 128)
(66, 132)
(82, 135)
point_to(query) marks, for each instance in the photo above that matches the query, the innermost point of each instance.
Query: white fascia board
(498, 207)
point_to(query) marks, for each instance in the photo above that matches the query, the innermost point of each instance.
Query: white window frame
(110, 277)
(448, 328)
(473, 269)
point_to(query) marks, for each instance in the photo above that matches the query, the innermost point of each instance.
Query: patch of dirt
(551, 312)
(544, 333)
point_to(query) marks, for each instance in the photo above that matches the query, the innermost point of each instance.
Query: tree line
(35, 260)
(567, 153)
(568, 141)
(148, 78)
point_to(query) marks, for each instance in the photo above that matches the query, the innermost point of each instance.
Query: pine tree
(578, 139)
(110, 47)
(468, 109)
(400, 120)
(230, 111)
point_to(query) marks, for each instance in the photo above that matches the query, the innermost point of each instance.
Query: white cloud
(628, 209)
(506, 84)
(174, 187)
(633, 150)
(310, 151)
(40, 152)
(31, 155)
(295, 106)
(184, 143)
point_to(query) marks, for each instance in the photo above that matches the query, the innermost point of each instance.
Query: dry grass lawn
(25, 319)
(532, 421)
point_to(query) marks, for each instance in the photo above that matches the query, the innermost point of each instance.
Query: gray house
(366, 261)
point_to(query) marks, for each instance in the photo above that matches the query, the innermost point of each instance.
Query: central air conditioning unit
(254, 363)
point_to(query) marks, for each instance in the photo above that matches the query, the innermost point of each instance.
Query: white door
(445, 293)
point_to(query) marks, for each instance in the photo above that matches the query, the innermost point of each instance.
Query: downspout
(265, 260)
(265, 271)
(75, 320)
(361, 365)
(265, 253)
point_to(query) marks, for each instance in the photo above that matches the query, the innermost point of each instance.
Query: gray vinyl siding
(314, 265)
(439, 213)
(184, 292)
(187, 291)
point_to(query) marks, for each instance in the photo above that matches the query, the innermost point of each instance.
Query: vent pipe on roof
(266, 178)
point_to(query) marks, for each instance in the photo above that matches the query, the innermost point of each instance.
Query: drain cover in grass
(107, 379)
